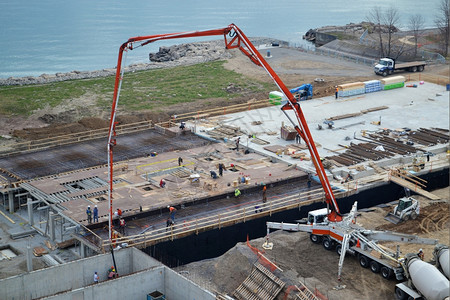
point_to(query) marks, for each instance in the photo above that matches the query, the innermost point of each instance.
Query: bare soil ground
(312, 265)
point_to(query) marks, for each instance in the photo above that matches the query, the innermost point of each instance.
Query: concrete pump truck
(331, 228)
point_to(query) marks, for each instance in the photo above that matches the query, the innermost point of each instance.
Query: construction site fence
(427, 56)
(440, 80)
(217, 221)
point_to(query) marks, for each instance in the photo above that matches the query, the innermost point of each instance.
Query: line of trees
(387, 21)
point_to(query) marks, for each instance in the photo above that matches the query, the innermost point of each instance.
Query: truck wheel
(413, 215)
(390, 72)
(328, 244)
(414, 69)
(374, 266)
(384, 74)
(405, 217)
(400, 294)
(364, 261)
(386, 272)
(420, 68)
(316, 239)
(339, 249)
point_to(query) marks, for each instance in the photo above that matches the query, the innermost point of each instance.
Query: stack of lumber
(392, 82)
(372, 86)
(351, 89)
(39, 251)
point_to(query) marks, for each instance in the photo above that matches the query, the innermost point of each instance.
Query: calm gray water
(50, 36)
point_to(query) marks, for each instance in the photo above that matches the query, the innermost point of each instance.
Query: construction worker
(114, 236)
(122, 226)
(95, 277)
(89, 214)
(180, 161)
(237, 192)
(95, 214)
(172, 211)
(220, 169)
(213, 174)
(336, 91)
(162, 183)
(421, 255)
(237, 143)
(111, 272)
(264, 196)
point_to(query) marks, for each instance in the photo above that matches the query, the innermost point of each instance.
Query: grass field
(143, 90)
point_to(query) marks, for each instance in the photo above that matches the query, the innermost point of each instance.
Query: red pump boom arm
(234, 38)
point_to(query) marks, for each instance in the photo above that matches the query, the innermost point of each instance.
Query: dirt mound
(222, 274)
(434, 217)
(49, 131)
(93, 123)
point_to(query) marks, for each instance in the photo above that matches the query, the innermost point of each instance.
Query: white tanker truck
(441, 256)
(424, 281)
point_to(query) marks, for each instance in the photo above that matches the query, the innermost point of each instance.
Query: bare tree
(391, 21)
(375, 16)
(385, 20)
(416, 23)
(442, 22)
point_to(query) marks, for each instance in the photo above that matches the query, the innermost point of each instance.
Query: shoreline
(176, 55)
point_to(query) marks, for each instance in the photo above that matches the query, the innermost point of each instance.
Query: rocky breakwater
(166, 57)
(326, 34)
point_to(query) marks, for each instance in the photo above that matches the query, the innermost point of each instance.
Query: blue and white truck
(387, 66)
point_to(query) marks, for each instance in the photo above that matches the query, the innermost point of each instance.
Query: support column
(29, 258)
(30, 211)
(51, 223)
(11, 201)
(82, 250)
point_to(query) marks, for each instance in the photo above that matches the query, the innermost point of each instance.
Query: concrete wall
(140, 275)
(73, 275)
(134, 286)
(178, 287)
(139, 285)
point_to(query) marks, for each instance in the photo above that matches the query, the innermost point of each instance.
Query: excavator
(234, 38)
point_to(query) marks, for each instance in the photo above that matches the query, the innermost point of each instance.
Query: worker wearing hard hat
(421, 255)
(95, 214)
(89, 214)
(172, 211)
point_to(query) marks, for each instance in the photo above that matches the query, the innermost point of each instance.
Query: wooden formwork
(260, 284)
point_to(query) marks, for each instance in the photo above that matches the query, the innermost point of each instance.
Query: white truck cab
(384, 67)
(317, 216)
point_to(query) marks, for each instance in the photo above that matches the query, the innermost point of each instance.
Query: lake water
(50, 36)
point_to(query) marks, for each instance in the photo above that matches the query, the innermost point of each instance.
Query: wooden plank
(364, 111)
(275, 148)
(414, 188)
